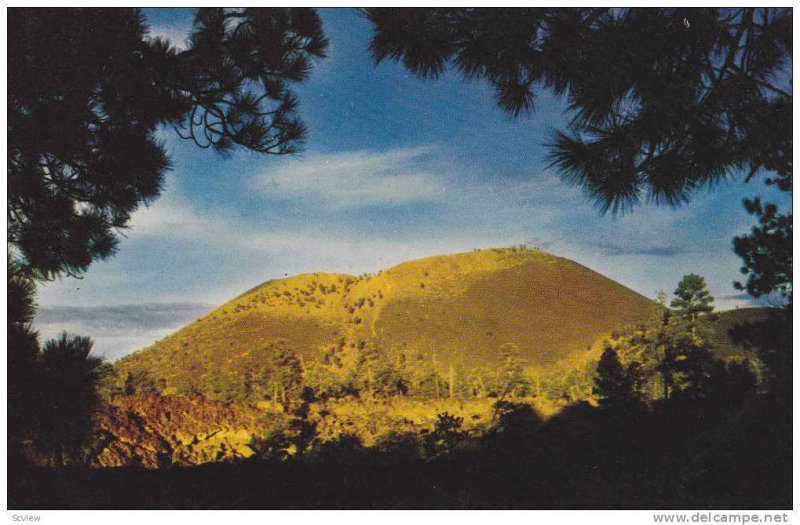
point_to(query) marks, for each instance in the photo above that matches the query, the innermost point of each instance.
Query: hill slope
(724, 345)
(456, 310)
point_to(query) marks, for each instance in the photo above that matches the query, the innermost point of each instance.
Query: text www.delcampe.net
(721, 517)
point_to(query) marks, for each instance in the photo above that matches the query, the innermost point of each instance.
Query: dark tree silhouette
(766, 252)
(140, 383)
(87, 89)
(23, 353)
(445, 435)
(66, 395)
(662, 101)
(695, 371)
(612, 383)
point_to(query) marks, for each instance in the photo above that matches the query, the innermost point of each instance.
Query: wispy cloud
(765, 300)
(176, 34)
(117, 330)
(358, 179)
(613, 249)
(361, 211)
(473, 209)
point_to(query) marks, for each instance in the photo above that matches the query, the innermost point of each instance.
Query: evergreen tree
(766, 252)
(23, 354)
(692, 299)
(109, 382)
(511, 379)
(612, 383)
(662, 101)
(141, 383)
(377, 376)
(672, 352)
(65, 386)
(445, 435)
(692, 368)
(286, 374)
(87, 89)
(422, 377)
(326, 380)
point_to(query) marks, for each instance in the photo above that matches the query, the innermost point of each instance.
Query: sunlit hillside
(312, 361)
(455, 311)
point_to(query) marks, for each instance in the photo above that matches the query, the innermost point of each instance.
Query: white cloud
(358, 179)
(117, 330)
(176, 35)
(307, 247)
(181, 250)
(474, 210)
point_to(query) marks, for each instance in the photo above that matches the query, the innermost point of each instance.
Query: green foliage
(278, 440)
(110, 384)
(515, 425)
(225, 385)
(23, 351)
(87, 90)
(672, 353)
(328, 379)
(569, 386)
(286, 374)
(141, 383)
(511, 380)
(689, 362)
(662, 101)
(613, 383)
(376, 376)
(446, 434)
(423, 378)
(770, 337)
(52, 390)
(766, 252)
(692, 299)
(288, 433)
(65, 385)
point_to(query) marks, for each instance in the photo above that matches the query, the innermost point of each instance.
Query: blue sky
(394, 168)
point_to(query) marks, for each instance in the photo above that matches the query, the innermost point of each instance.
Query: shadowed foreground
(711, 455)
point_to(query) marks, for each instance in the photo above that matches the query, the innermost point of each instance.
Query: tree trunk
(452, 380)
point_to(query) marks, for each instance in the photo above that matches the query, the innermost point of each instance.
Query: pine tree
(87, 89)
(766, 252)
(286, 373)
(672, 351)
(23, 353)
(511, 378)
(692, 300)
(612, 383)
(662, 101)
(66, 381)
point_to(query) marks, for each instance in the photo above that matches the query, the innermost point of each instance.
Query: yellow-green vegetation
(723, 322)
(446, 324)
(375, 423)
(155, 431)
(419, 357)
